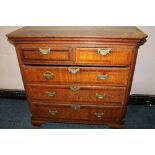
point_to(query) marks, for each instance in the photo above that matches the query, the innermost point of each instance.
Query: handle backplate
(104, 51)
(50, 94)
(53, 112)
(99, 114)
(100, 96)
(44, 51)
(102, 76)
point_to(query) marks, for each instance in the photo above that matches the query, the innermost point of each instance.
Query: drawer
(46, 55)
(119, 55)
(87, 113)
(73, 93)
(79, 75)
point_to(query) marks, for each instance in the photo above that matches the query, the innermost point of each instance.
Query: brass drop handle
(53, 112)
(99, 114)
(50, 94)
(104, 51)
(48, 75)
(100, 96)
(102, 76)
(74, 88)
(75, 106)
(44, 51)
(74, 70)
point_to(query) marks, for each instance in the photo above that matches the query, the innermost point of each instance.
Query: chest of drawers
(77, 74)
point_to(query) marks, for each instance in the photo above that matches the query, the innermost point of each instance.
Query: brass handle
(44, 50)
(48, 75)
(74, 70)
(100, 96)
(53, 112)
(102, 76)
(104, 51)
(99, 114)
(74, 88)
(75, 106)
(50, 94)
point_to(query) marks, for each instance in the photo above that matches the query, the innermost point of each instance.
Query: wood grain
(86, 75)
(119, 55)
(31, 55)
(74, 61)
(68, 113)
(79, 31)
(84, 94)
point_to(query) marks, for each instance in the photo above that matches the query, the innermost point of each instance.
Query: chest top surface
(78, 31)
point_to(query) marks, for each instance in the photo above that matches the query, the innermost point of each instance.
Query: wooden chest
(77, 74)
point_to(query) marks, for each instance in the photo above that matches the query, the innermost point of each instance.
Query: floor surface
(14, 114)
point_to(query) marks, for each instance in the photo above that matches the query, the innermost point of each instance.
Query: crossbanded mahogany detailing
(45, 55)
(80, 75)
(77, 74)
(83, 94)
(67, 112)
(115, 55)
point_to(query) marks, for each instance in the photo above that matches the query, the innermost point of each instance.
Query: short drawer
(66, 112)
(73, 94)
(46, 55)
(79, 75)
(119, 55)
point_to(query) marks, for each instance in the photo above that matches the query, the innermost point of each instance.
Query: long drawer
(87, 113)
(83, 75)
(73, 93)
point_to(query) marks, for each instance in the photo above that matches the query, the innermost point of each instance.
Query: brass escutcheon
(74, 88)
(74, 70)
(75, 106)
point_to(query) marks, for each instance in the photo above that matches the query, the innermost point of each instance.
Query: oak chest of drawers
(77, 74)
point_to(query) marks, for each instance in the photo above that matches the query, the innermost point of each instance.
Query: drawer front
(73, 93)
(68, 113)
(46, 55)
(78, 75)
(105, 56)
